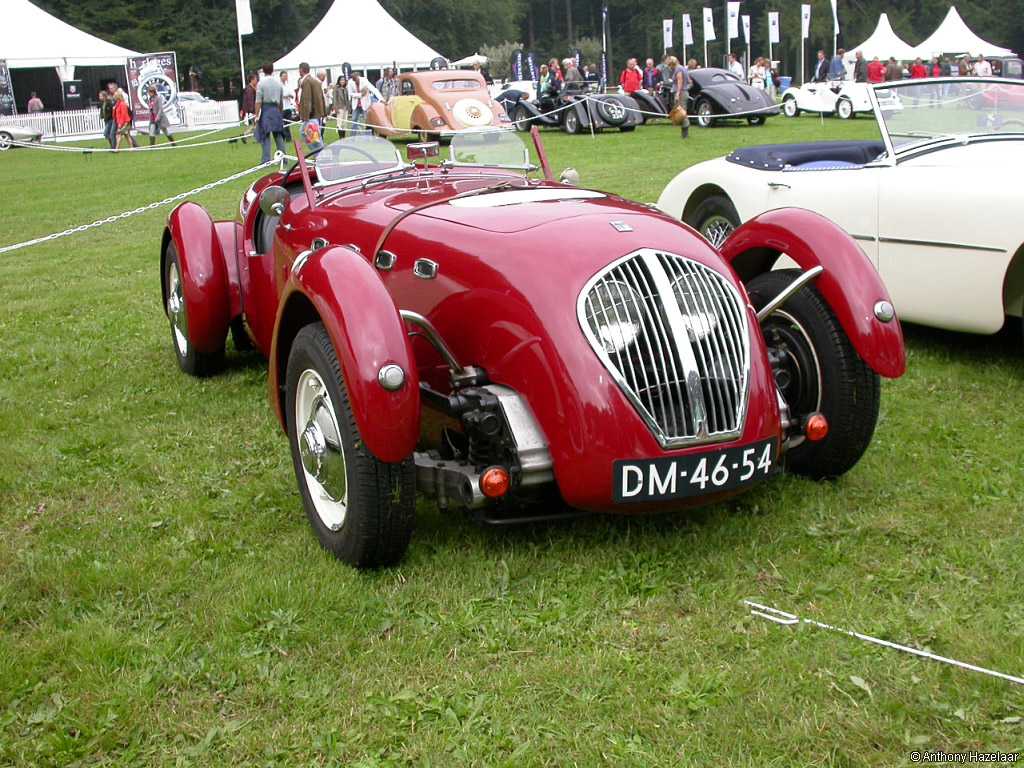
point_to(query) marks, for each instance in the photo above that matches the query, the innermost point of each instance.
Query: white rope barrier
(140, 209)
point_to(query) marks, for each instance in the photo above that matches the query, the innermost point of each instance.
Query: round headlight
(615, 315)
(697, 318)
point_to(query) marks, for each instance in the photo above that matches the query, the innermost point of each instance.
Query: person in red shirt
(876, 71)
(632, 78)
(123, 119)
(918, 71)
(935, 70)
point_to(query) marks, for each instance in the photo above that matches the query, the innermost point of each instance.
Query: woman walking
(342, 105)
(123, 118)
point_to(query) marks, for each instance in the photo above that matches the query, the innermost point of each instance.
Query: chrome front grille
(674, 335)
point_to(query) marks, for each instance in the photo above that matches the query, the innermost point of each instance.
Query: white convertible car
(935, 202)
(841, 98)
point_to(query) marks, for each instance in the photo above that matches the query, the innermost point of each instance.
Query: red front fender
(204, 275)
(849, 284)
(367, 332)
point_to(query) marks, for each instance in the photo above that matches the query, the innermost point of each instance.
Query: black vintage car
(577, 107)
(654, 103)
(717, 94)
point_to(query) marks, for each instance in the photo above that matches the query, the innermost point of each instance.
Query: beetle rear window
(455, 85)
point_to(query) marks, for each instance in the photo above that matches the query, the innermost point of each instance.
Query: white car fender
(733, 181)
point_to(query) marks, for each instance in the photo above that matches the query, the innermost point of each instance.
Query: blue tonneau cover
(824, 154)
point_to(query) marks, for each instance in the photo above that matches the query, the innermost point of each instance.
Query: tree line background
(204, 35)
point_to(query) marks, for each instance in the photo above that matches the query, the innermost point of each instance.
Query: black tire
(715, 218)
(6, 141)
(612, 111)
(627, 129)
(190, 360)
(380, 497)
(704, 110)
(789, 107)
(807, 335)
(571, 123)
(756, 120)
(522, 119)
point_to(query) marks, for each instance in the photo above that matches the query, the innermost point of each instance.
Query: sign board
(71, 90)
(439, 62)
(7, 106)
(518, 64)
(160, 70)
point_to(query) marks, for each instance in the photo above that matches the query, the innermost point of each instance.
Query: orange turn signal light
(494, 482)
(817, 427)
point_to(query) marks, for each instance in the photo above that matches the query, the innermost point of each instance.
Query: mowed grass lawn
(163, 600)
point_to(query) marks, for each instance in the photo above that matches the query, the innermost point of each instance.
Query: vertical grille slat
(674, 335)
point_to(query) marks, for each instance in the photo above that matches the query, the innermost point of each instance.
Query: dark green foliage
(204, 33)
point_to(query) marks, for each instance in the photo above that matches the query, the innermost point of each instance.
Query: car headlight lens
(698, 320)
(615, 315)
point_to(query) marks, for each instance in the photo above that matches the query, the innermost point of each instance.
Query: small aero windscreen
(356, 157)
(492, 149)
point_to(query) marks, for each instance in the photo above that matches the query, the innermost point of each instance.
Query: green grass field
(164, 602)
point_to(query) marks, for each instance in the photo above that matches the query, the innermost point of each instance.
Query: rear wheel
(844, 109)
(190, 360)
(360, 508)
(756, 120)
(705, 111)
(522, 118)
(817, 370)
(789, 107)
(715, 218)
(6, 141)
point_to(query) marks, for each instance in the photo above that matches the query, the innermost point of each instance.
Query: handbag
(677, 115)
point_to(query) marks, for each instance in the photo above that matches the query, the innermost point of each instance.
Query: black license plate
(696, 475)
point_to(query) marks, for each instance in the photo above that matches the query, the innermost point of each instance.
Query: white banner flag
(773, 27)
(667, 29)
(709, 25)
(687, 30)
(805, 21)
(733, 12)
(746, 29)
(835, 18)
(244, 13)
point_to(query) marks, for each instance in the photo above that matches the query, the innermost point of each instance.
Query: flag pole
(728, 41)
(241, 60)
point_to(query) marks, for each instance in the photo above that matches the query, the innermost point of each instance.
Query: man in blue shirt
(837, 70)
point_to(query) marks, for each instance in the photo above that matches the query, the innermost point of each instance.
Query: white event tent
(954, 36)
(32, 38)
(360, 33)
(883, 43)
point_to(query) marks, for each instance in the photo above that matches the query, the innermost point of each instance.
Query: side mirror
(273, 200)
(423, 149)
(570, 176)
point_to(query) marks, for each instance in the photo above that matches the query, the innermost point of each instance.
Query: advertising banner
(733, 14)
(244, 14)
(746, 29)
(71, 90)
(687, 30)
(773, 27)
(835, 19)
(161, 70)
(518, 64)
(709, 25)
(531, 67)
(667, 33)
(805, 20)
(7, 106)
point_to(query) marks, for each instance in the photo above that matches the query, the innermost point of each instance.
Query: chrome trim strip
(937, 244)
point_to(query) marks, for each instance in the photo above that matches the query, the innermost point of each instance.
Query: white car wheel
(572, 121)
(789, 107)
(6, 141)
(704, 113)
(844, 109)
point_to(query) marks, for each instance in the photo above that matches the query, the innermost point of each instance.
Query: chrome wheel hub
(716, 229)
(176, 309)
(321, 450)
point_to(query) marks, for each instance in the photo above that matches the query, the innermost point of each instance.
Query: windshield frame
(941, 140)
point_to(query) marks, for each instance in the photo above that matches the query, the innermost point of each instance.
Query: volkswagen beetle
(494, 340)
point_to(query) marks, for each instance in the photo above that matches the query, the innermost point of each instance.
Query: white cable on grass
(140, 209)
(789, 619)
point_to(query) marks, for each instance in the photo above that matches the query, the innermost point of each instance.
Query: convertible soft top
(775, 157)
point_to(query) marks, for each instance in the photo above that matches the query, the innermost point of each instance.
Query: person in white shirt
(735, 67)
(982, 68)
(758, 73)
(288, 99)
(321, 75)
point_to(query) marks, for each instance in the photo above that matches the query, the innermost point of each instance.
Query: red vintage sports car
(469, 332)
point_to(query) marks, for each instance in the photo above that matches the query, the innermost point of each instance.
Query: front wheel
(844, 109)
(361, 508)
(6, 141)
(705, 112)
(522, 118)
(817, 370)
(756, 120)
(572, 121)
(190, 360)
(789, 107)
(715, 218)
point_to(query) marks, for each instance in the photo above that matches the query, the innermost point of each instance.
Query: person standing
(758, 73)
(107, 116)
(325, 85)
(982, 68)
(312, 109)
(288, 99)
(918, 71)
(35, 104)
(735, 67)
(556, 72)
(893, 71)
(355, 89)
(860, 68)
(248, 111)
(269, 117)
(876, 71)
(158, 117)
(820, 69)
(651, 76)
(836, 69)
(572, 75)
(590, 75)
(123, 118)
(632, 78)
(342, 105)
